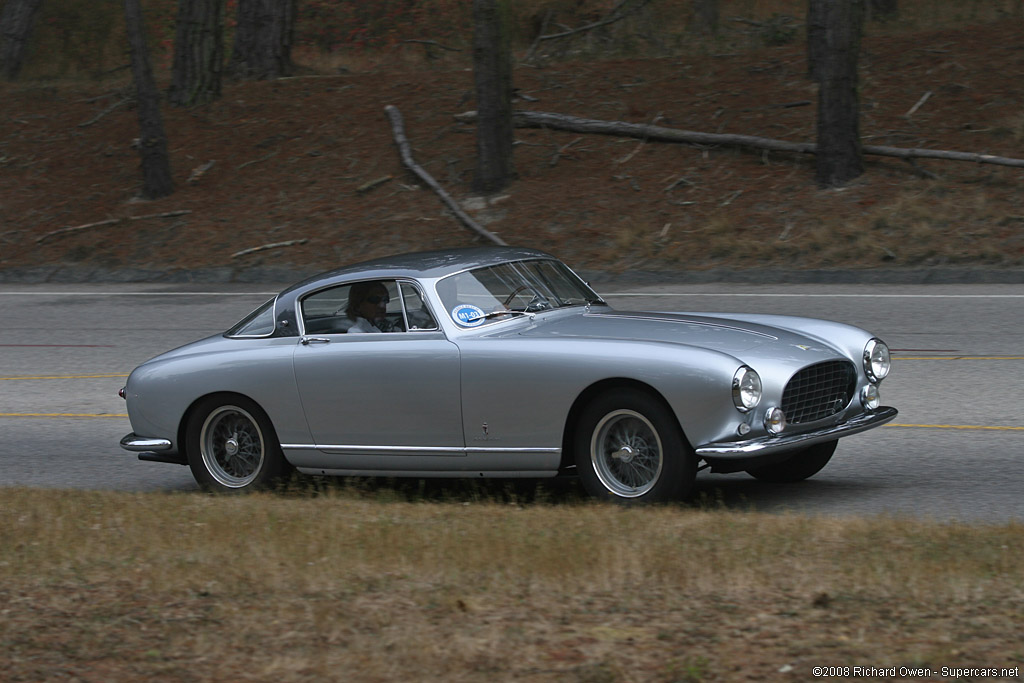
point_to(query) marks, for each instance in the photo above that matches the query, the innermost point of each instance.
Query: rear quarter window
(259, 323)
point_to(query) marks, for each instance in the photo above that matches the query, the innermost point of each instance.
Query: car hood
(741, 339)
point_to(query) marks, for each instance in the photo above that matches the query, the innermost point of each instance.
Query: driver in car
(367, 306)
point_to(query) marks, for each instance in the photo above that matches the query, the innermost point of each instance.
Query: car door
(369, 395)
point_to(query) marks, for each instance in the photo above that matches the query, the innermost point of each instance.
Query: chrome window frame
(300, 302)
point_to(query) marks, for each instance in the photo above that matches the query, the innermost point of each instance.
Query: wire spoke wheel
(232, 446)
(626, 453)
(629, 449)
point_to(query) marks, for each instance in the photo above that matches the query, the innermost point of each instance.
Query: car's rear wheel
(803, 464)
(231, 446)
(629, 448)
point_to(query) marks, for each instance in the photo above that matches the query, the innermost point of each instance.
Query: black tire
(802, 465)
(232, 447)
(629, 449)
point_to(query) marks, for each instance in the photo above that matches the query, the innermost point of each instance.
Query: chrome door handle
(306, 341)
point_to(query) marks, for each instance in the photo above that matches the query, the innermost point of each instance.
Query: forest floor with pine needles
(307, 167)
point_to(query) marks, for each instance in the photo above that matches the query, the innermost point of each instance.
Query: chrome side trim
(133, 442)
(433, 474)
(784, 442)
(407, 450)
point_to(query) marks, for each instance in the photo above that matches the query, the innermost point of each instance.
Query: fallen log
(404, 152)
(576, 124)
(110, 221)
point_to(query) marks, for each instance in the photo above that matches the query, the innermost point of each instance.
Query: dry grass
(346, 586)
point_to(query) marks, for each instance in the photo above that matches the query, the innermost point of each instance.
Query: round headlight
(746, 389)
(876, 360)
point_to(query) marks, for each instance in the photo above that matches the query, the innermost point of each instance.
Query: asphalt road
(955, 452)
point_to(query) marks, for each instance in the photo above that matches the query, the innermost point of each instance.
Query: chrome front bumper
(787, 442)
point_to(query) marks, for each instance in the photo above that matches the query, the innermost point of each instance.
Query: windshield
(499, 292)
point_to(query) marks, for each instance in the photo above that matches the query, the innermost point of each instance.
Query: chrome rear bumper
(152, 450)
(134, 442)
(786, 442)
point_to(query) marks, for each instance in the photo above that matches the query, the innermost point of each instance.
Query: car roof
(425, 264)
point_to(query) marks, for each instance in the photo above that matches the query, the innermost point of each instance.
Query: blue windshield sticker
(468, 315)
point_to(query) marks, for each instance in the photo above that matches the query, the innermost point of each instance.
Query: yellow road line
(996, 428)
(60, 377)
(64, 415)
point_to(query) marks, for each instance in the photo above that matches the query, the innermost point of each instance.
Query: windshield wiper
(495, 314)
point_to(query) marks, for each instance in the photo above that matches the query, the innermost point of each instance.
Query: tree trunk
(839, 158)
(705, 17)
(156, 166)
(263, 40)
(16, 21)
(492, 70)
(815, 38)
(198, 52)
(882, 10)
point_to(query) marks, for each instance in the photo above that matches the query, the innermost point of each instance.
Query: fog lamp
(775, 420)
(869, 397)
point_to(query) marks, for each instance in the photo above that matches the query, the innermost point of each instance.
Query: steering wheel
(520, 288)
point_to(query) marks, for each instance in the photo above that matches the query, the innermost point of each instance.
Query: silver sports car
(502, 362)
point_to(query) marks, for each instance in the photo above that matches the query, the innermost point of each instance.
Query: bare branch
(106, 111)
(614, 15)
(373, 184)
(398, 129)
(265, 247)
(924, 98)
(433, 43)
(110, 221)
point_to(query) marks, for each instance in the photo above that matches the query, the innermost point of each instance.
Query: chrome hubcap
(626, 453)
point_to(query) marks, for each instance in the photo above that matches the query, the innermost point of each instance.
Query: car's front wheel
(629, 448)
(231, 445)
(801, 465)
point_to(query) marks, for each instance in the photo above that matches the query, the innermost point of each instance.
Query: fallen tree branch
(432, 43)
(265, 247)
(199, 171)
(398, 129)
(924, 98)
(614, 15)
(575, 124)
(373, 184)
(106, 111)
(110, 221)
(256, 161)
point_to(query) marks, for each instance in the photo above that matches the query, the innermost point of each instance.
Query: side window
(416, 310)
(323, 312)
(369, 306)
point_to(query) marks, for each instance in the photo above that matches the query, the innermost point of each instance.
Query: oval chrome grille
(819, 391)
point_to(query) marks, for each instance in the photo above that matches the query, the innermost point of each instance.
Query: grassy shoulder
(346, 586)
